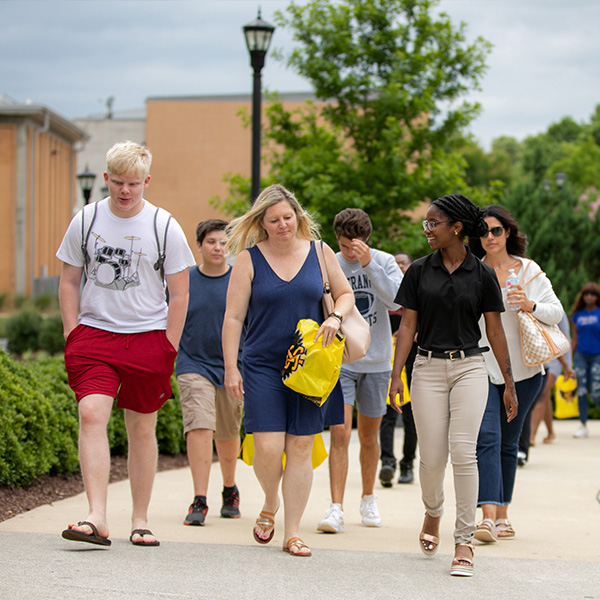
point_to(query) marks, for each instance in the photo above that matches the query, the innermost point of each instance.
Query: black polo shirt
(449, 305)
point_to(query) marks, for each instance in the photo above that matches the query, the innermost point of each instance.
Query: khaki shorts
(206, 406)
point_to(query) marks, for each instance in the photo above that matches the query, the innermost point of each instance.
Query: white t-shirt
(123, 292)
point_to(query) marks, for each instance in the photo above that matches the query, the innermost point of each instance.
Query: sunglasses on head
(495, 231)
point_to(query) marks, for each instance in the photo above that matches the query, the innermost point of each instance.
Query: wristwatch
(338, 315)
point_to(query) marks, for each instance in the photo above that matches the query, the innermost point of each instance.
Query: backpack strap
(159, 265)
(85, 236)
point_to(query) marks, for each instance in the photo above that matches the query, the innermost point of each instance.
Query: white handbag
(540, 343)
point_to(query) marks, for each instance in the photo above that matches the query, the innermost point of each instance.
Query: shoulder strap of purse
(531, 278)
(322, 266)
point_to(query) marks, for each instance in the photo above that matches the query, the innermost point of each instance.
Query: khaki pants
(449, 399)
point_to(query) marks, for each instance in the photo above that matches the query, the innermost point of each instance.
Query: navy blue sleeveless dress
(274, 309)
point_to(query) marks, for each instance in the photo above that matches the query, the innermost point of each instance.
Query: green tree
(580, 161)
(566, 130)
(563, 239)
(497, 167)
(389, 79)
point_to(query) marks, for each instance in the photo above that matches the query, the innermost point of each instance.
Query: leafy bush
(51, 338)
(20, 301)
(23, 331)
(28, 331)
(36, 426)
(46, 301)
(39, 421)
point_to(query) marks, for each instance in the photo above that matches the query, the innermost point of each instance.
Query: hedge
(39, 421)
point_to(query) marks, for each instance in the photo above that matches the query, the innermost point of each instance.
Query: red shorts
(137, 366)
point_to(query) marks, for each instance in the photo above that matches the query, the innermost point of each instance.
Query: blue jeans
(498, 441)
(587, 369)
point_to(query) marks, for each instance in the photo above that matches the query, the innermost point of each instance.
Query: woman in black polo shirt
(444, 294)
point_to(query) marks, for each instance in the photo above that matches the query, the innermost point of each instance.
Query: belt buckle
(451, 352)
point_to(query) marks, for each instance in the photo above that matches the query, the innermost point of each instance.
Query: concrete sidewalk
(556, 553)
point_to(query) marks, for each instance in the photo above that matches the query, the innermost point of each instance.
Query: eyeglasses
(431, 225)
(495, 231)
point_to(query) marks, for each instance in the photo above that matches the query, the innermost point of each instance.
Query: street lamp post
(560, 179)
(258, 35)
(86, 181)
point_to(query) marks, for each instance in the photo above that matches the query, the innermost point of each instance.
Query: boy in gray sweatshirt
(375, 278)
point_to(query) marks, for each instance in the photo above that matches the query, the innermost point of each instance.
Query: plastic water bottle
(511, 280)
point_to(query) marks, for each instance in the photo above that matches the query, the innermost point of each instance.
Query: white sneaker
(333, 521)
(582, 432)
(368, 511)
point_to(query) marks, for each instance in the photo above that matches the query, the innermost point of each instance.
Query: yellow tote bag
(319, 453)
(310, 369)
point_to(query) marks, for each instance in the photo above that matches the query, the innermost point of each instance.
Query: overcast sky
(72, 55)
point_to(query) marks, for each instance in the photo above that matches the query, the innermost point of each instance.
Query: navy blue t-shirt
(200, 350)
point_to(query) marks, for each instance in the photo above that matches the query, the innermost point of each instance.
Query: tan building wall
(8, 134)
(195, 141)
(38, 188)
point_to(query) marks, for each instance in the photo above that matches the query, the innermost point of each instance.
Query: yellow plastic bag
(402, 376)
(318, 456)
(310, 369)
(406, 391)
(565, 399)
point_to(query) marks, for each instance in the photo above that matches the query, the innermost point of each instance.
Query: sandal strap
(90, 525)
(486, 524)
(264, 521)
(429, 538)
(504, 525)
(463, 559)
(141, 532)
(296, 541)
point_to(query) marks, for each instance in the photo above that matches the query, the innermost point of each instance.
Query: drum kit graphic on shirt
(115, 268)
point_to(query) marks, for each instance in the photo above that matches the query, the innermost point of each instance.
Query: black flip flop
(142, 533)
(79, 536)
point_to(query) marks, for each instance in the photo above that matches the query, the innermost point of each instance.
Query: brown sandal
(299, 544)
(428, 543)
(266, 522)
(504, 529)
(462, 566)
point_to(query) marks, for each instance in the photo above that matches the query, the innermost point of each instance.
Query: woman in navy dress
(276, 281)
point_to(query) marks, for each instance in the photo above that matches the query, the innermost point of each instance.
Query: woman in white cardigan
(503, 248)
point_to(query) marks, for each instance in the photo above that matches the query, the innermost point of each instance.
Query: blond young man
(120, 333)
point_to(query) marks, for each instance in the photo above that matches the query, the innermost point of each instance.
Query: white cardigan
(548, 310)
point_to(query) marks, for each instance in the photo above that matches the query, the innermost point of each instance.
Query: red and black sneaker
(197, 512)
(231, 503)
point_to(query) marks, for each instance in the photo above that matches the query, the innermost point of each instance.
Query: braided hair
(460, 208)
